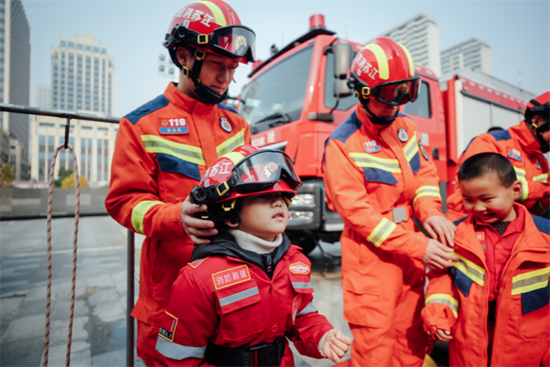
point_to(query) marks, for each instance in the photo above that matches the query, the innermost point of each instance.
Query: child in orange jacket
(492, 306)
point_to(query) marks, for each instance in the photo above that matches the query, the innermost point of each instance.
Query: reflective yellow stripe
(521, 176)
(381, 232)
(369, 161)
(471, 270)
(234, 157)
(411, 148)
(139, 213)
(219, 18)
(409, 57)
(233, 142)
(541, 178)
(530, 281)
(381, 59)
(444, 299)
(427, 191)
(156, 144)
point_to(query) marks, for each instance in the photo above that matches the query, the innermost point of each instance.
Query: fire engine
(295, 99)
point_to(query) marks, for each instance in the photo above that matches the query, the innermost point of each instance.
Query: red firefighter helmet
(538, 105)
(246, 171)
(384, 69)
(211, 26)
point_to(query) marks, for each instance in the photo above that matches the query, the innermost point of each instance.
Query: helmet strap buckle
(200, 54)
(231, 205)
(226, 188)
(365, 92)
(185, 70)
(202, 39)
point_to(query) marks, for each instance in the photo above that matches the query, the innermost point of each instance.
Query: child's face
(488, 200)
(264, 216)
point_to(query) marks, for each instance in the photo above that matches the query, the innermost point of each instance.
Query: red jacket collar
(183, 101)
(367, 125)
(525, 138)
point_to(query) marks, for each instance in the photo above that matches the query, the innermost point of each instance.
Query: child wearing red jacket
(246, 292)
(492, 306)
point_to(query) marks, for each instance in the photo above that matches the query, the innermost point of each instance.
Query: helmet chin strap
(544, 145)
(206, 94)
(378, 120)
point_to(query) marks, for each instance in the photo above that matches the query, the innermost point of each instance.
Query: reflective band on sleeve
(219, 18)
(138, 213)
(178, 351)
(381, 59)
(444, 299)
(427, 191)
(381, 232)
(367, 160)
(308, 309)
(411, 148)
(233, 142)
(530, 281)
(471, 270)
(541, 178)
(238, 296)
(521, 176)
(302, 285)
(188, 153)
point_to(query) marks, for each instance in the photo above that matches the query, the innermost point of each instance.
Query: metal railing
(71, 115)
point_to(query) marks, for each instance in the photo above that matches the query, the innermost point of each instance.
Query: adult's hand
(438, 255)
(440, 228)
(197, 229)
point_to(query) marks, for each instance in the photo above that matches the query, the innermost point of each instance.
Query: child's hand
(443, 335)
(336, 344)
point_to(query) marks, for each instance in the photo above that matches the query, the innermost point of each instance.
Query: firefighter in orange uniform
(377, 176)
(164, 147)
(524, 145)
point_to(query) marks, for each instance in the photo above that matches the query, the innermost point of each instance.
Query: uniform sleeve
(309, 328)
(347, 194)
(441, 310)
(427, 198)
(190, 320)
(133, 199)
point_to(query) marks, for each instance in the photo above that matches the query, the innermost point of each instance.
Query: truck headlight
(301, 215)
(304, 200)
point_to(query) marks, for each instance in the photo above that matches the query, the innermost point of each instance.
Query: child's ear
(230, 224)
(517, 190)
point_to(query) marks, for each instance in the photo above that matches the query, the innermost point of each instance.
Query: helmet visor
(263, 169)
(399, 92)
(234, 41)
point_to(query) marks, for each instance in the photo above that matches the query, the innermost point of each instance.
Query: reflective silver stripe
(533, 280)
(381, 232)
(444, 299)
(238, 296)
(189, 153)
(308, 309)
(301, 285)
(178, 351)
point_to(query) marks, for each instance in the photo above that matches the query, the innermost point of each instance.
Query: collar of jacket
(526, 139)
(225, 245)
(183, 101)
(529, 239)
(370, 128)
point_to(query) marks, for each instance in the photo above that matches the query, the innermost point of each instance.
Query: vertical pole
(130, 302)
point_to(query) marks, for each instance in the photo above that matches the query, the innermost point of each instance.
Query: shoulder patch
(346, 129)
(229, 277)
(299, 268)
(401, 114)
(457, 222)
(501, 135)
(151, 106)
(197, 262)
(227, 108)
(543, 224)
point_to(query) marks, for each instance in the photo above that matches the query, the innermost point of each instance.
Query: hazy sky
(517, 32)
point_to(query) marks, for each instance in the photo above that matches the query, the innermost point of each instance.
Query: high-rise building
(82, 79)
(15, 55)
(82, 76)
(43, 96)
(473, 54)
(420, 36)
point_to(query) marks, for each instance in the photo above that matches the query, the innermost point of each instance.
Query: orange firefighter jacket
(162, 150)
(458, 300)
(369, 170)
(523, 150)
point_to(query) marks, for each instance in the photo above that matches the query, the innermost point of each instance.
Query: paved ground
(99, 330)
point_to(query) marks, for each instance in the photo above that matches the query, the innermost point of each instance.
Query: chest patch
(226, 125)
(299, 268)
(402, 135)
(173, 126)
(514, 154)
(371, 146)
(226, 278)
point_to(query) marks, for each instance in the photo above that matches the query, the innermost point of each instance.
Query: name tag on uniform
(173, 126)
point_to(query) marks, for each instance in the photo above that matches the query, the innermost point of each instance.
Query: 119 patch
(173, 126)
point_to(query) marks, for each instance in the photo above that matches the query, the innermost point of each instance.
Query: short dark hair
(482, 164)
